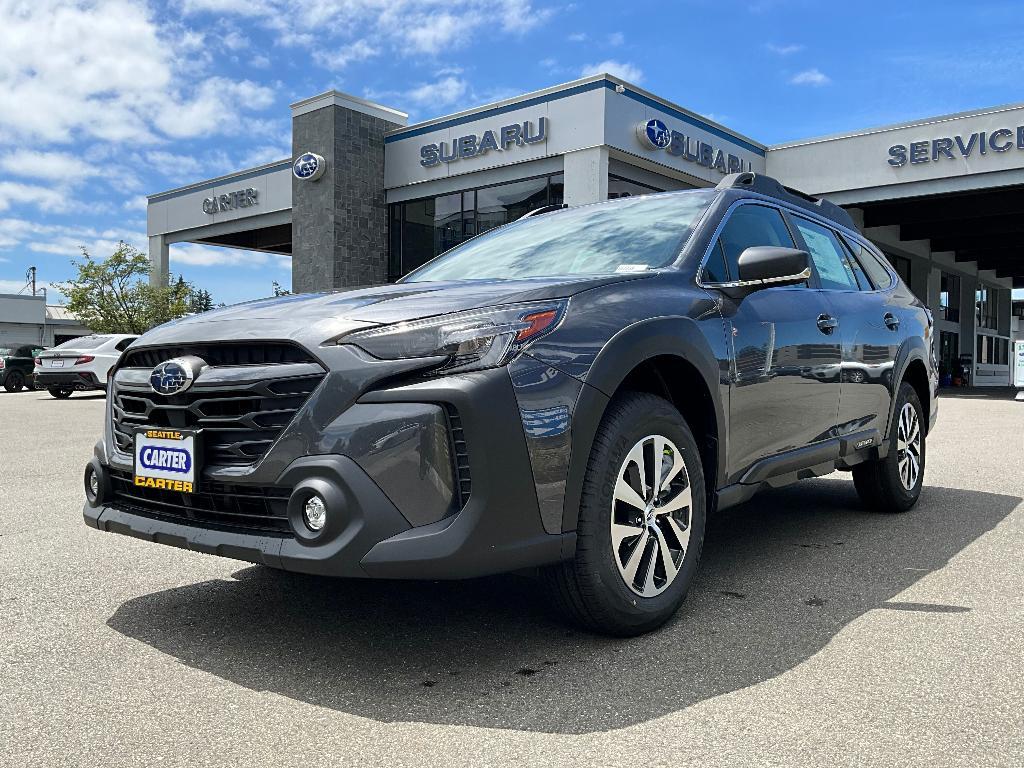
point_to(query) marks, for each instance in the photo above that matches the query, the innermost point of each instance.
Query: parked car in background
(79, 364)
(16, 366)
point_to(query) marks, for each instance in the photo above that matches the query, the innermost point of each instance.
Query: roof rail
(544, 209)
(766, 185)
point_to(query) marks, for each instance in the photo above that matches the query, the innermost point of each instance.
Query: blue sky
(105, 101)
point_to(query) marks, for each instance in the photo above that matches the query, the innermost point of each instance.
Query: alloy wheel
(651, 515)
(908, 447)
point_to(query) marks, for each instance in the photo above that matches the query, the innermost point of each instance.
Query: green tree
(113, 295)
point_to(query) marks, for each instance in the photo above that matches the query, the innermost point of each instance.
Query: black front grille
(240, 419)
(222, 506)
(239, 422)
(222, 354)
(460, 454)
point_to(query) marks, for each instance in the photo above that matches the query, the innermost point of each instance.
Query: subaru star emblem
(309, 167)
(654, 133)
(175, 376)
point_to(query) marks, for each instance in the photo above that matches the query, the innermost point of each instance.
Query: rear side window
(828, 255)
(122, 345)
(878, 274)
(749, 226)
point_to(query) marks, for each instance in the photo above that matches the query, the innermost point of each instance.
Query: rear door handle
(827, 323)
(891, 321)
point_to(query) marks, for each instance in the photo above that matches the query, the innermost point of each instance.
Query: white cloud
(625, 70)
(49, 166)
(405, 27)
(63, 240)
(441, 93)
(784, 50)
(137, 203)
(235, 40)
(174, 166)
(577, 37)
(196, 255)
(341, 57)
(16, 193)
(16, 286)
(105, 69)
(812, 76)
(616, 39)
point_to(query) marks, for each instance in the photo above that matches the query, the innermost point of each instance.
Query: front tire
(893, 484)
(15, 381)
(60, 394)
(641, 522)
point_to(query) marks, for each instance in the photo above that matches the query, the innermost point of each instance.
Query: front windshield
(628, 235)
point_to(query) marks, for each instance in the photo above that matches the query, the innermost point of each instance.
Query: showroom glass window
(620, 187)
(987, 307)
(949, 298)
(423, 229)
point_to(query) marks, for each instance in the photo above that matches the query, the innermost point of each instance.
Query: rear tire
(15, 381)
(634, 564)
(893, 484)
(60, 394)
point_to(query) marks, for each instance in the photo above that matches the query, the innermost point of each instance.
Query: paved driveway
(818, 635)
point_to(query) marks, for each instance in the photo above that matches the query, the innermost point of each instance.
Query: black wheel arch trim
(672, 336)
(912, 349)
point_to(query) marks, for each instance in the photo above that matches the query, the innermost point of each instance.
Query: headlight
(466, 341)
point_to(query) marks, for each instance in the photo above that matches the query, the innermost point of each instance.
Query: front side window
(834, 271)
(628, 235)
(748, 226)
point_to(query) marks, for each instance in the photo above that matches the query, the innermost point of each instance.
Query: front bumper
(385, 515)
(67, 380)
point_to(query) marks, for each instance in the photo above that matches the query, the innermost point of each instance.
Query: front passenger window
(834, 272)
(749, 226)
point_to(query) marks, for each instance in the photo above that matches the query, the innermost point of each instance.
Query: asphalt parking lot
(818, 635)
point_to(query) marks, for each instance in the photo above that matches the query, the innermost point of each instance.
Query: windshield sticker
(632, 268)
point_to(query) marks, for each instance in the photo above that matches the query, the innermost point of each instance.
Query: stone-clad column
(339, 221)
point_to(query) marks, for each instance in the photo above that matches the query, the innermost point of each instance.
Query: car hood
(315, 318)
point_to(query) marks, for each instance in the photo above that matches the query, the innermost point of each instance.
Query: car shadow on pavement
(779, 578)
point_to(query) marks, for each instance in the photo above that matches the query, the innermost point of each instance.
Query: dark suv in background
(574, 392)
(16, 365)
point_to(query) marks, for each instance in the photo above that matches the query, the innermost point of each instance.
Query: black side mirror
(773, 265)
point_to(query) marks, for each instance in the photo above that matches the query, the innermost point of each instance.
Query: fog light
(315, 513)
(92, 484)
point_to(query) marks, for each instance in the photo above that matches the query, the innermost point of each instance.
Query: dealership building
(366, 197)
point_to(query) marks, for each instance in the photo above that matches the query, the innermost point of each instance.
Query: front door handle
(891, 321)
(827, 324)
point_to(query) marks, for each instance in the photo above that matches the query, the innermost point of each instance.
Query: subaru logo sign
(654, 133)
(175, 376)
(309, 167)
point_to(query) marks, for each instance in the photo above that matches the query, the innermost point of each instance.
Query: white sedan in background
(79, 364)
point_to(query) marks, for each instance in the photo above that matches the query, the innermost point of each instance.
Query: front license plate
(167, 460)
(57, 364)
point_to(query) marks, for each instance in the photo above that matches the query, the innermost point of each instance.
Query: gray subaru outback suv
(573, 394)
